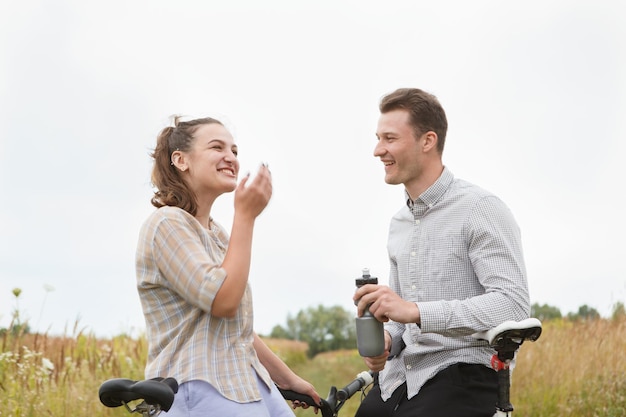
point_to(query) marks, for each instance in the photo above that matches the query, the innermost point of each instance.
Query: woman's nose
(230, 156)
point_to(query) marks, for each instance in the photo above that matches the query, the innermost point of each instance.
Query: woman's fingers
(253, 196)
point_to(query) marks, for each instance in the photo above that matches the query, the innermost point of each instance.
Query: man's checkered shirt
(456, 251)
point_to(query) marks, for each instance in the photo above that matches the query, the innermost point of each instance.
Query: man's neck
(429, 177)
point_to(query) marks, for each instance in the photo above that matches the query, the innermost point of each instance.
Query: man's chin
(391, 180)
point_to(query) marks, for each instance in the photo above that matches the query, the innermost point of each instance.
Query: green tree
(584, 313)
(278, 332)
(323, 328)
(545, 312)
(618, 311)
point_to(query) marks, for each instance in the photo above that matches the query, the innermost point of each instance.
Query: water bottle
(370, 339)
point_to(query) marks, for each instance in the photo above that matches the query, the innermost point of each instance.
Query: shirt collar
(430, 197)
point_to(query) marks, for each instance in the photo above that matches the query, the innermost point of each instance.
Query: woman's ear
(179, 161)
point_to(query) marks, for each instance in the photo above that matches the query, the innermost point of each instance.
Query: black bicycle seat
(156, 391)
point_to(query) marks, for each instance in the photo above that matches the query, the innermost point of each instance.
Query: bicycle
(158, 394)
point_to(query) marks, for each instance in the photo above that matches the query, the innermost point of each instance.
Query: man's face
(398, 148)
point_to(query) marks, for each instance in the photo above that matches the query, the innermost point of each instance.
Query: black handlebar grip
(324, 406)
(363, 379)
(296, 396)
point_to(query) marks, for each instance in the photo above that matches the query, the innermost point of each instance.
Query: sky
(534, 91)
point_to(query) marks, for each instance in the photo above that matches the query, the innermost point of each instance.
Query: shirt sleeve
(495, 251)
(189, 263)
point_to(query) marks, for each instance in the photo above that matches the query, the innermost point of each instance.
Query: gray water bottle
(370, 339)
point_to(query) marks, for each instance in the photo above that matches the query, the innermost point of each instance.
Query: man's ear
(430, 141)
(179, 161)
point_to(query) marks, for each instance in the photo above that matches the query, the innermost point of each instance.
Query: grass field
(575, 369)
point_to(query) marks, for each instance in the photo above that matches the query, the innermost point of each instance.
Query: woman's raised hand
(251, 198)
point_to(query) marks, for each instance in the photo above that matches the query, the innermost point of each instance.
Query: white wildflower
(47, 365)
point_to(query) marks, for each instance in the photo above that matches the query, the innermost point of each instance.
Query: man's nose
(379, 149)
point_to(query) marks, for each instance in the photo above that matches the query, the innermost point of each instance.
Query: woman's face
(212, 162)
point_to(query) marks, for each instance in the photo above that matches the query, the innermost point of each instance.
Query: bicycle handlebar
(362, 380)
(336, 398)
(324, 406)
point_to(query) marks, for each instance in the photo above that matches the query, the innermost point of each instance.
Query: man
(456, 267)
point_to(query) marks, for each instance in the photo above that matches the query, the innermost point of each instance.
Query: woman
(193, 281)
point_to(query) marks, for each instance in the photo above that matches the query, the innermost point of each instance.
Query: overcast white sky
(535, 94)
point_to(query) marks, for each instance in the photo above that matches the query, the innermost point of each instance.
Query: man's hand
(377, 363)
(385, 304)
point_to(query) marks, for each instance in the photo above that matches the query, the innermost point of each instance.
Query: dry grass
(291, 351)
(575, 369)
(60, 376)
(336, 368)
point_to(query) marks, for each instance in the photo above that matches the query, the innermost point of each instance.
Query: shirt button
(413, 253)
(417, 222)
(413, 287)
(408, 367)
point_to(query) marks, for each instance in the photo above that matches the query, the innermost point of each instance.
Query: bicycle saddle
(157, 391)
(528, 329)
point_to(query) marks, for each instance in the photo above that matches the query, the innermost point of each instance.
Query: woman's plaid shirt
(178, 274)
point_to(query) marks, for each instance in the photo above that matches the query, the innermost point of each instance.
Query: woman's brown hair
(171, 188)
